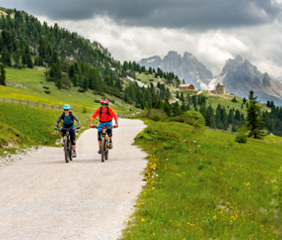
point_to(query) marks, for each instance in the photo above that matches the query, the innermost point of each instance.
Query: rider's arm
(76, 119)
(58, 121)
(95, 115)
(112, 113)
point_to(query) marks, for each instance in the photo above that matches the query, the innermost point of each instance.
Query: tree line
(71, 59)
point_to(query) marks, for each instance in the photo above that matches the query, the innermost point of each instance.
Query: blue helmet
(66, 106)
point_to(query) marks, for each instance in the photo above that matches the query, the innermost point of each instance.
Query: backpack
(71, 115)
(107, 111)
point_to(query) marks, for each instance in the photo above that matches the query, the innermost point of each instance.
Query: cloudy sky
(212, 30)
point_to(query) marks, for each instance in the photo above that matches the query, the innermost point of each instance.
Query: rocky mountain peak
(186, 67)
(239, 58)
(232, 64)
(240, 77)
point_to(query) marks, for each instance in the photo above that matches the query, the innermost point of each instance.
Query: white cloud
(260, 45)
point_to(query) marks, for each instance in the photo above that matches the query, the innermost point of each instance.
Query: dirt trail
(42, 197)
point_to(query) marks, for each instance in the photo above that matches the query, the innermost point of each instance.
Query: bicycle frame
(67, 144)
(104, 143)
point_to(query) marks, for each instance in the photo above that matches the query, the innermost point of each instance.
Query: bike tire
(70, 151)
(66, 151)
(106, 149)
(103, 150)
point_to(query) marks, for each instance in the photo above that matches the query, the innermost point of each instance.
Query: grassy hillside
(27, 84)
(26, 126)
(205, 186)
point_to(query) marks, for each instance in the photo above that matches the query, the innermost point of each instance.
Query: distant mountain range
(186, 67)
(238, 75)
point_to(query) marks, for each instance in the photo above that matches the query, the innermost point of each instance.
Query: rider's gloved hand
(116, 125)
(91, 126)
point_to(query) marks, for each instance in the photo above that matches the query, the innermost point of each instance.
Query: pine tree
(80, 77)
(71, 72)
(29, 61)
(74, 81)
(208, 119)
(233, 129)
(59, 84)
(41, 48)
(254, 124)
(167, 107)
(176, 109)
(230, 117)
(85, 83)
(2, 75)
(6, 57)
(218, 121)
(182, 97)
(16, 57)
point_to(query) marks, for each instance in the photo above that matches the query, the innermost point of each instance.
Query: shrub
(156, 115)
(195, 119)
(45, 87)
(142, 114)
(179, 118)
(112, 101)
(241, 135)
(81, 90)
(97, 101)
(47, 91)
(84, 110)
(234, 100)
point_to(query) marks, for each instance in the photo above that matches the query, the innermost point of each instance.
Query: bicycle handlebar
(97, 127)
(65, 129)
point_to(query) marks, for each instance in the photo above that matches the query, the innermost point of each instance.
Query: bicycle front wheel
(70, 150)
(107, 149)
(103, 149)
(66, 150)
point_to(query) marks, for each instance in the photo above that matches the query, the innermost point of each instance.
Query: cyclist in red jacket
(106, 114)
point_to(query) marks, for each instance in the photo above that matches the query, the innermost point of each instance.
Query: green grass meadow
(27, 84)
(204, 186)
(26, 126)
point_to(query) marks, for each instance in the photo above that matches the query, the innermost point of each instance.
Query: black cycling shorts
(108, 131)
(72, 136)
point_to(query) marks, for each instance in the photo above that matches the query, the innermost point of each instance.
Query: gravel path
(42, 197)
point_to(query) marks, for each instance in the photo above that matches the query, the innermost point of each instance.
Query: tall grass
(204, 186)
(35, 125)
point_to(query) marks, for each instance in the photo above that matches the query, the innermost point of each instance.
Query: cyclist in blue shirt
(68, 119)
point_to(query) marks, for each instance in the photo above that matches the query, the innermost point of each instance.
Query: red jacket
(104, 117)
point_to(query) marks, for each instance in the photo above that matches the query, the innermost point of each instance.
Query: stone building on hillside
(186, 87)
(219, 89)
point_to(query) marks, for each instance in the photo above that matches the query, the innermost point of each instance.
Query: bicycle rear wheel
(107, 149)
(66, 150)
(103, 149)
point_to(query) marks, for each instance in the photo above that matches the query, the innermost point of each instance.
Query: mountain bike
(105, 143)
(67, 144)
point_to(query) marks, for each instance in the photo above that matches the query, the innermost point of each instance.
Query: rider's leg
(110, 134)
(73, 143)
(63, 138)
(99, 141)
